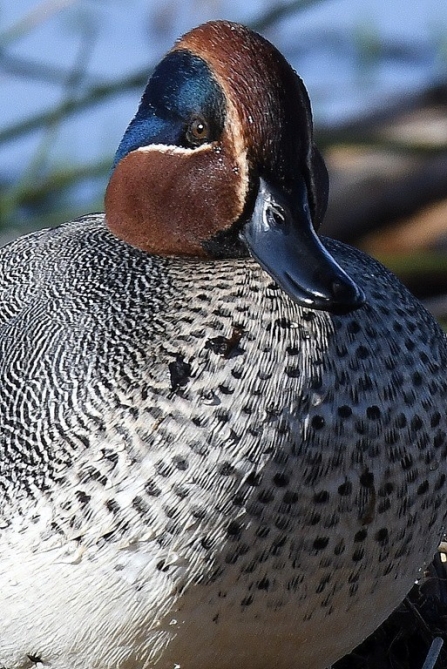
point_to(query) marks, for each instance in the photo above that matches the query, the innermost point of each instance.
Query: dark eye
(197, 131)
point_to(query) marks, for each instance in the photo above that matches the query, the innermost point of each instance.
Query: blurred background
(72, 72)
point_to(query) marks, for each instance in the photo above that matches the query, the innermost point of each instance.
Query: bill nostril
(348, 293)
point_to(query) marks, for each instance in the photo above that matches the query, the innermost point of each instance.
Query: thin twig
(93, 96)
(32, 19)
(423, 627)
(433, 653)
(63, 178)
(278, 12)
(31, 174)
(31, 69)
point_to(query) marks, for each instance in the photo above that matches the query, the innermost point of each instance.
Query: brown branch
(278, 12)
(90, 98)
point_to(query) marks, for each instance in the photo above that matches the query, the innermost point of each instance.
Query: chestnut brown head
(219, 161)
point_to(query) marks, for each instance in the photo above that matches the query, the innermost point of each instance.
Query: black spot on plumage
(82, 497)
(35, 659)
(181, 463)
(344, 411)
(152, 489)
(373, 412)
(266, 496)
(423, 488)
(247, 601)
(280, 480)
(290, 497)
(360, 536)
(318, 422)
(321, 497)
(263, 584)
(263, 531)
(234, 529)
(367, 479)
(358, 554)
(320, 543)
(180, 372)
(345, 489)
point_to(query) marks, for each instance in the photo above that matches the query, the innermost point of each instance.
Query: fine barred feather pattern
(183, 448)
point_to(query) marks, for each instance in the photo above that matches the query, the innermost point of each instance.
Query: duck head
(219, 162)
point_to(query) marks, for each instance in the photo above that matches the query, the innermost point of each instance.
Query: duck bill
(280, 236)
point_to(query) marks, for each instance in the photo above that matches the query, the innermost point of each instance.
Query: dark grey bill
(280, 236)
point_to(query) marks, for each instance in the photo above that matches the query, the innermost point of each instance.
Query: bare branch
(31, 69)
(278, 12)
(92, 97)
(62, 178)
(28, 22)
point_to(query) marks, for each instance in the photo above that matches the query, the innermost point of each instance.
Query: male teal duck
(223, 438)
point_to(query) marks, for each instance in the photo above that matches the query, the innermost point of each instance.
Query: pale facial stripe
(172, 149)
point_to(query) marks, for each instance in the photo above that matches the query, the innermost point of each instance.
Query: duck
(223, 436)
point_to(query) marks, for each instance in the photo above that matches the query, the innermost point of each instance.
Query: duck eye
(197, 131)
